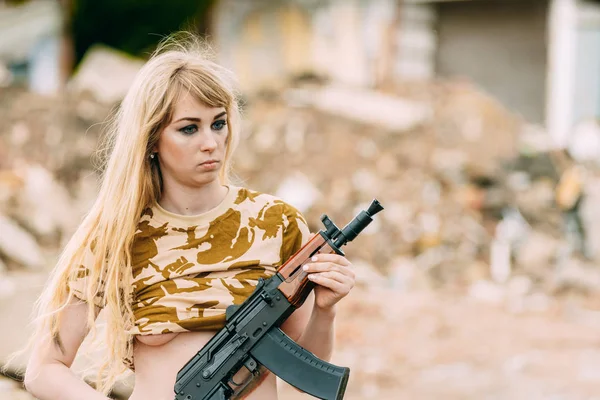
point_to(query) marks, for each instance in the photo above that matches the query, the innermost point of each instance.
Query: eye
(189, 130)
(219, 125)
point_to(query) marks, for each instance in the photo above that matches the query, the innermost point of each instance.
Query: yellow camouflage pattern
(187, 270)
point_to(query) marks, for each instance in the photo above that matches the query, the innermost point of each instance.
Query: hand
(333, 276)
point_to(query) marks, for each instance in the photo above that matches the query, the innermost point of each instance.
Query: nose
(208, 142)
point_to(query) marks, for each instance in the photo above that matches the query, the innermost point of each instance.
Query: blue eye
(219, 125)
(189, 130)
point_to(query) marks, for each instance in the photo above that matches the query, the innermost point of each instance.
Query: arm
(312, 328)
(312, 325)
(48, 375)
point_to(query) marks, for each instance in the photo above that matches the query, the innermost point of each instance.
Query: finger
(328, 266)
(329, 283)
(321, 267)
(334, 258)
(336, 276)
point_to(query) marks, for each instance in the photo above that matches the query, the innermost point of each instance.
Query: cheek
(173, 146)
(224, 138)
(223, 141)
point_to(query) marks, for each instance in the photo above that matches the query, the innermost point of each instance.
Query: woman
(170, 243)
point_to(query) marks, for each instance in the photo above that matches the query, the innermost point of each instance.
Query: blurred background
(474, 122)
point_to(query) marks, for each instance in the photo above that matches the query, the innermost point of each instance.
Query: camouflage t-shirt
(188, 269)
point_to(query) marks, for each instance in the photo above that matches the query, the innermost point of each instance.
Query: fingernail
(314, 258)
(311, 277)
(305, 268)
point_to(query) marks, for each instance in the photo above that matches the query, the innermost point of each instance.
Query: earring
(152, 155)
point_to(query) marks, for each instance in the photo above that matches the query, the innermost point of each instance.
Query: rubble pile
(465, 207)
(446, 167)
(47, 180)
(463, 202)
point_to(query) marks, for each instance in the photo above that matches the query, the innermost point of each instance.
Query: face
(192, 146)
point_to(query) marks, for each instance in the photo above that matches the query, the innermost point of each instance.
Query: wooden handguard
(296, 286)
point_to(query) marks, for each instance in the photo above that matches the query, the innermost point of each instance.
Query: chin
(206, 179)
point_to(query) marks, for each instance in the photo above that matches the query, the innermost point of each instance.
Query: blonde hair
(130, 182)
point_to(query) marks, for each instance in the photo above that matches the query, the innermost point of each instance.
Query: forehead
(189, 106)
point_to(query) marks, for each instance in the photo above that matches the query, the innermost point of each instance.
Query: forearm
(318, 336)
(58, 382)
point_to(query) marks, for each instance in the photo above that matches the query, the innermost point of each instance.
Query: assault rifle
(251, 336)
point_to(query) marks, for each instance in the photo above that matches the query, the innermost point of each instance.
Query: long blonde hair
(130, 182)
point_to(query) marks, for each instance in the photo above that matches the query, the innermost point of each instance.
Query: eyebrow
(198, 119)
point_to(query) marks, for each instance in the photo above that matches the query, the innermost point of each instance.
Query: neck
(192, 201)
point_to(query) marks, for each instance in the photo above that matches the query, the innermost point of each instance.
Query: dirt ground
(432, 346)
(426, 345)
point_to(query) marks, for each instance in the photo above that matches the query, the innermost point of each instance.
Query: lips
(209, 162)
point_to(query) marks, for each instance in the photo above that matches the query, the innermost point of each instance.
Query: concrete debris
(376, 109)
(584, 145)
(45, 202)
(537, 252)
(298, 191)
(93, 77)
(487, 292)
(6, 76)
(590, 217)
(500, 264)
(16, 244)
(578, 275)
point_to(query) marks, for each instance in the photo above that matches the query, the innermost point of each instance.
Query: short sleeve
(295, 233)
(81, 280)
